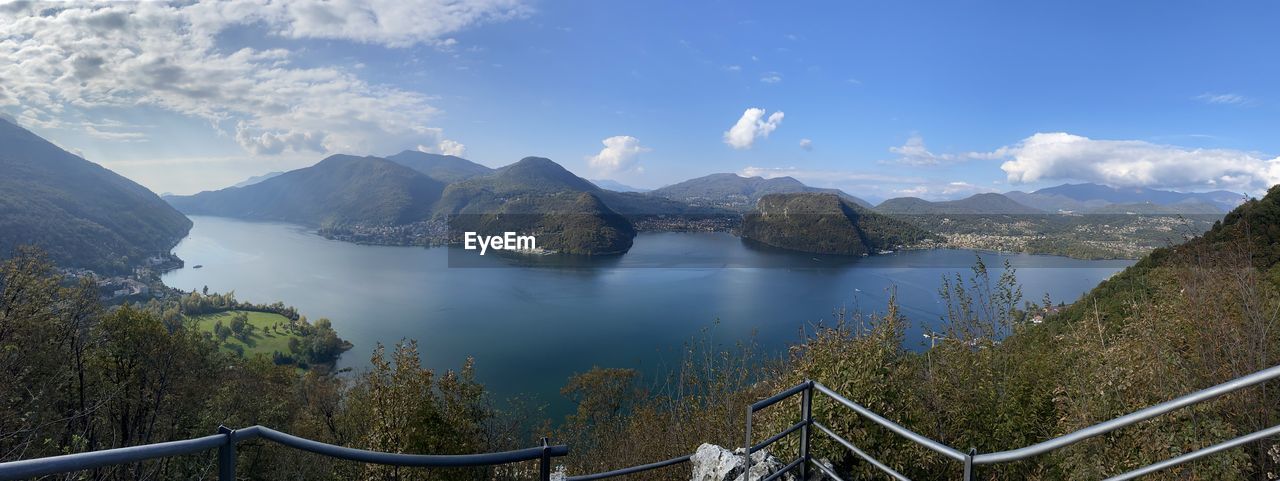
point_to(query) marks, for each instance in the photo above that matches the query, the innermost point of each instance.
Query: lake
(530, 327)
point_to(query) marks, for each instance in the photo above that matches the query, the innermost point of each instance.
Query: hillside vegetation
(339, 190)
(444, 168)
(738, 193)
(824, 223)
(85, 215)
(975, 204)
(1006, 372)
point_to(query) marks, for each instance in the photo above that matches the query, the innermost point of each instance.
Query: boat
(197, 266)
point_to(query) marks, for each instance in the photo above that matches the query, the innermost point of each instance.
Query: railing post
(806, 414)
(227, 456)
(968, 464)
(544, 463)
(746, 448)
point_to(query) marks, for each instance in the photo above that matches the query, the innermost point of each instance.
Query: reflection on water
(531, 327)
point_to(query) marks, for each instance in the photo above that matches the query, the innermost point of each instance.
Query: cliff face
(823, 223)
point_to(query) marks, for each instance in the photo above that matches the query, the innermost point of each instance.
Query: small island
(824, 223)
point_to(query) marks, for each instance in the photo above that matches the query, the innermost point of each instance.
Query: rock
(714, 463)
(559, 473)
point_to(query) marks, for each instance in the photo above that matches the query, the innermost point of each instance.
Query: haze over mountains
(738, 193)
(339, 190)
(1073, 198)
(444, 168)
(94, 218)
(976, 204)
(80, 213)
(1088, 197)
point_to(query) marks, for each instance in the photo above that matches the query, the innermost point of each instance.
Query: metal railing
(971, 459)
(225, 442)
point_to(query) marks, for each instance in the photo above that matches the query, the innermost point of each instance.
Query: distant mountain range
(738, 193)
(976, 204)
(246, 182)
(1084, 198)
(1072, 198)
(825, 223)
(414, 187)
(339, 190)
(80, 213)
(616, 186)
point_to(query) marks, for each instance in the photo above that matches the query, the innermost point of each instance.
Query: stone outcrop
(714, 463)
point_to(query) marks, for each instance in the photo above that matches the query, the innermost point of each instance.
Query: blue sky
(937, 100)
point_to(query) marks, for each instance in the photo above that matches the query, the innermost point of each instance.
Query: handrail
(915, 437)
(397, 459)
(972, 459)
(1131, 418)
(228, 438)
(31, 468)
(631, 470)
(1200, 453)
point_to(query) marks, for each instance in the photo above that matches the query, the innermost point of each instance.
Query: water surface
(530, 328)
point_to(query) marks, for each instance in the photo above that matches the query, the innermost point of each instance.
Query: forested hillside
(83, 214)
(824, 223)
(738, 193)
(1009, 369)
(444, 168)
(339, 190)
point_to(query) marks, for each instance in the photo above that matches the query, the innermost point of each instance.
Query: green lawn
(264, 339)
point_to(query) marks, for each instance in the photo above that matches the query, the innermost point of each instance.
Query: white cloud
(771, 78)
(67, 61)
(806, 144)
(621, 153)
(392, 23)
(115, 136)
(826, 177)
(272, 143)
(1223, 98)
(751, 126)
(445, 147)
(914, 153)
(1133, 163)
(452, 147)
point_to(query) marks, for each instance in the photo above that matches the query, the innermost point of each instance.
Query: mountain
(976, 204)
(444, 168)
(82, 214)
(734, 192)
(825, 223)
(541, 176)
(1249, 234)
(563, 222)
(1084, 197)
(1192, 207)
(339, 190)
(538, 196)
(616, 186)
(248, 182)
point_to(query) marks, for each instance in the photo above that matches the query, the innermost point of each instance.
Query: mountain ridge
(825, 223)
(444, 168)
(339, 190)
(985, 203)
(739, 193)
(81, 213)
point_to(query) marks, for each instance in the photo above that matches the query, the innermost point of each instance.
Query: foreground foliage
(1004, 373)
